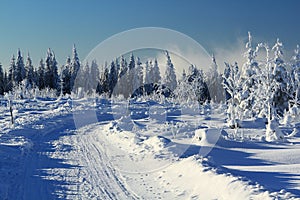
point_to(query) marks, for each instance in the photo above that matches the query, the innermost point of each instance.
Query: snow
(96, 149)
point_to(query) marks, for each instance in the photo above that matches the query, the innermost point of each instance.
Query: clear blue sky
(35, 25)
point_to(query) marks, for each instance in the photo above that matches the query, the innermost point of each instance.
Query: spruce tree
(51, 72)
(295, 77)
(94, 74)
(170, 76)
(66, 77)
(138, 75)
(130, 75)
(112, 77)
(249, 74)
(2, 83)
(214, 82)
(280, 76)
(156, 72)
(74, 66)
(20, 71)
(30, 77)
(41, 75)
(232, 84)
(11, 74)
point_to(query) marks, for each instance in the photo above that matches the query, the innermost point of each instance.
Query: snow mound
(211, 183)
(273, 133)
(208, 136)
(157, 143)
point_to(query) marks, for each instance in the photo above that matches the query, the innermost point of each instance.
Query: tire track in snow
(99, 179)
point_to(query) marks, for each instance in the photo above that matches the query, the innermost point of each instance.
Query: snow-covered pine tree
(30, 75)
(214, 82)
(66, 77)
(130, 75)
(11, 74)
(123, 67)
(295, 77)
(122, 80)
(41, 75)
(2, 84)
(99, 88)
(112, 78)
(51, 73)
(156, 72)
(281, 77)
(20, 72)
(249, 80)
(104, 81)
(117, 63)
(6, 82)
(184, 91)
(271, 87)
(94, 74)
(138, 75)
(232, 86)
(170, 76)
(196, 79)
(74, 66)
(146, 74)
(87, 84)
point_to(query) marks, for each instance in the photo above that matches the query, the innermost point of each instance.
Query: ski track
(96, 169)
(64, 164)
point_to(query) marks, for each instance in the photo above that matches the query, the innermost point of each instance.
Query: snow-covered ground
(96, 149)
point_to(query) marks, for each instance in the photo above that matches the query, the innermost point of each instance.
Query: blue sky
(36, 25)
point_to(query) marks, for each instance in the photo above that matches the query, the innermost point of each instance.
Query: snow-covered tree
(249, 79)
(51, 73)
(214, 82)
(146, 74)
(41, 75)
(281, 77)
(130, 75)
(104, 82)
(2, 83)
(30, 75)
(184, 91)
(192, 87)
(11, 74)
(138, 75)
(66, 77)
(170, 76)
(20, 71)
(87, 77)
(295, 78)
(196, 79)
(156, 72)
(232, 86)
(112, 77)
(123, 67)
(99, 88)
(94, 74)
(74, 66)
(271, 88)
(6, 82)
(122, 79)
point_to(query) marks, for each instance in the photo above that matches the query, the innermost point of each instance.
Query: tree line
(120, 77)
